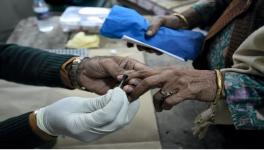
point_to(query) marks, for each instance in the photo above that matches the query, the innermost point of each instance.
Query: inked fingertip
(120, 77)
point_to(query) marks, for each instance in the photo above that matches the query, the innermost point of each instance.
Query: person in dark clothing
(98, 74)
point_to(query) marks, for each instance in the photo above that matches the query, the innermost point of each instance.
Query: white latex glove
(87, 119)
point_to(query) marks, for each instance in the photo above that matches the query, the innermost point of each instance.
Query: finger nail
(149, 33)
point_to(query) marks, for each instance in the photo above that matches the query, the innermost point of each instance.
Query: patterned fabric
(244, 93)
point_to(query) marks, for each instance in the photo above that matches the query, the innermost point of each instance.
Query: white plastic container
(85, 18)
(43, 15)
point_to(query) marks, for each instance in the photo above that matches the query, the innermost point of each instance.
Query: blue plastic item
(182, 44)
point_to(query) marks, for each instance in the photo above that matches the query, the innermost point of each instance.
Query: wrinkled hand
(169, 21)
(99, 74)
(87, 119)
(181, 84)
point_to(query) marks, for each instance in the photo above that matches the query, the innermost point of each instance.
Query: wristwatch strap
(65, 68)
(74, 74)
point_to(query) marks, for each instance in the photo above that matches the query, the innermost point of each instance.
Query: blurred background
(12, 11)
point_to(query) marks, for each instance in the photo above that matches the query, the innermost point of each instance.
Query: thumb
(154, 27)
(152, 30)
(110, 111)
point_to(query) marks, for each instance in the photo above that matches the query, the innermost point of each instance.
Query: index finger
(145, 85)
(132, 64)
(142, 74)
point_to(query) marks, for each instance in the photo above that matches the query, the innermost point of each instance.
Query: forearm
(201, 14)
(193, 18)
(31, 66)
(244, 95)
(17, 132)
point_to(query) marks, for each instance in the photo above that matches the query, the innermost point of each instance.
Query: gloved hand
(87, 119)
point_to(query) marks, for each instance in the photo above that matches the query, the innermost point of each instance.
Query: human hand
(176, 85)
(87, 119)
(99, 74)
(170, 21)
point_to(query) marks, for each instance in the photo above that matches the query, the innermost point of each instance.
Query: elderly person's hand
(170, 21)
(99, 74)
(176, 85)
(186, 20)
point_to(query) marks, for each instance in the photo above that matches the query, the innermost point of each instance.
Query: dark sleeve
(17, 133)
(210, 10)
(31, 66)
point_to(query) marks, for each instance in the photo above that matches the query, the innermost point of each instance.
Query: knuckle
(182, 80)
